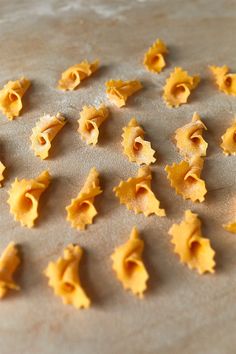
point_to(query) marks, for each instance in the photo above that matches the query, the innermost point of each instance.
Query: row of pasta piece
(176, 91)
(190, 245)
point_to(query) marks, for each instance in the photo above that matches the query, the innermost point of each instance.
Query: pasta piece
(137, 195)
(90, 120)
(72, 77)
(128, 264)
(154, 59)
(24, 198)
(231, 227)
(2, 169)
(135, 147)
(178, 87)
(185, 179)
(44, 132)
(81, 210)
(64, 278)
(192, 248)
(118, 91)
(229, 140)
(11, 97)
(9, 262)
(189, 138)
(226, 82)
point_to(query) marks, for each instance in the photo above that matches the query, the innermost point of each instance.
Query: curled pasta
(154, 59)
(11, 97)
(192, 248)
(178, 87)
(44, 132)
(134, 146)
(229, 140)
(225, 81)
(2, 169)
(90, 120)
(128, 264)
(118, 91)
(24, 198)
(9, 262)
(185, 179)
(72, 77)
(81, 210)
(137, 195)
(64, 278)
(189, 139)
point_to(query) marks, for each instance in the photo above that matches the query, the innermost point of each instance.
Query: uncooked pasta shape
(64, 278)
(44, 132)
(11, 97)
(134, 146)
(154, 59)
(128, 264)
(9, 263)
(189, 139)
(226, 82)
(229, 140)
(72, 77)
(137, 195)
(24, 198)
(2, 169)
(81, 210)
(90, 120)
(231, 227)
(118, 91)
(178, 87)
(192, 247)
(185, 179)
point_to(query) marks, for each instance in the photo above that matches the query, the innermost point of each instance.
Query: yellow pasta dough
(185, 179)
(135, 147)
(137, 195)
(64, 278)
(90, 120)
(192, 248)
(24, 198)
(44, 132)
(2, 169)
(154, 59)
(81, 211)
(72, 77)
(229, 140)
(189, 138)
(118, 91)
(178, 87)
(231, 227)
(226, 82)
(128, 264)
(11, 97)
(9, 262)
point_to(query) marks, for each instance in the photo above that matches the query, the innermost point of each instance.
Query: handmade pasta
(118, 91)
(229, 140)
(225, 81)
(2, 169)
(137, 195)
(64, 278)
(231, 227)
(189, 139)
(11, 97)
(134, 146)
(192, 248)
(90, 120)
(44, 132)
(81, 210)
(9, 263)
(128, 264)
(185, 179)
(24, 198)
(154, 59)
(178, 87)
(72, 77)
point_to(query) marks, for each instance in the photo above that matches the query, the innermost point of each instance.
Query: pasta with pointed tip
(225, 81)
(154, 59)
(2, 169)
(229, 140)
(231, 227)
(118, 91)
(9, 262)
